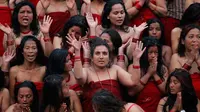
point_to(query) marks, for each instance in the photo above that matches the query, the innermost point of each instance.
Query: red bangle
(158, 82)
(77, 57)
(135, 40)
(120, 58)
(46, 39)
(92, 37)
(86, 60)
(138, 6)
(142, 83)
(10, 42)
(136, 66)
(186, 66)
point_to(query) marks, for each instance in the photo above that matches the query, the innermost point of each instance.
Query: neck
(29, 65)
(115, 27)
(24, 29)
(99, 69)
(98, 1)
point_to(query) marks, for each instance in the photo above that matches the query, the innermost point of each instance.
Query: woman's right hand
(90, 20)
(63, 108)
(8, 55)
(71, 40)
(153, 67)
(139, 50)
(178, 103)
(86, 49)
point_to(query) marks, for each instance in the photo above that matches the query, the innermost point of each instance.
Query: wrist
(121, 58)
(46, 34)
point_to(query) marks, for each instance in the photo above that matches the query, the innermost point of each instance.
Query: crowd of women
(110, 56)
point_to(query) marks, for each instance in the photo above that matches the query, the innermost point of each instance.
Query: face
(174, 85)
(155, 30)
(25, 16)
(117, 15)
(152, 53)
(101, 56)
(192, 39)
(25, 96)
(106, 37)
(65, 88)
(68, 64)
(75, 30)
(30, 51)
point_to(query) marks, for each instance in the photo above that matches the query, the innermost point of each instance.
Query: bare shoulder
(14, 69)
(5, 91)
(132, 107)
(10, 108)
(175, 56)
(176, 30)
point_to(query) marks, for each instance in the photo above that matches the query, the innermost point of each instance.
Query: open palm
(139, 50)
(6, 28)
(74, 42)
(45, 25)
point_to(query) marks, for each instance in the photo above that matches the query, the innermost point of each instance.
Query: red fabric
(5, 18)
(144, 14)
(59, 20)
(76, 87)
(149, 97)
(34, 2)
(196, 83)
(98, 18)
(73, 60)
(92, 87)
(169, 24)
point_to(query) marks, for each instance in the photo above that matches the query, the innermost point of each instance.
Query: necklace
(100, 80)
(26, 32)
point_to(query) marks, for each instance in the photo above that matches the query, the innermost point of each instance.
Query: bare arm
(175, 36)
(159, 8)
(134, 9)
(57, 42)
(167, 56)
(71, 5)
(6, 100)
(86, 7)
(76, 102)
(188, 3)
(13, 73)
(174, 63)
(41, 7)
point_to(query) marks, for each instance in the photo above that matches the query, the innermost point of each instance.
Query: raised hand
(6, 29)
(90, 20)
(121, 49)
(140, 28)
(178, 103)
(45, 25)
(86, 49)
(70, 3)
(8, 56)
(74, 42)
(153, 67)
(139, 50)
(63, 108)
(87, 1)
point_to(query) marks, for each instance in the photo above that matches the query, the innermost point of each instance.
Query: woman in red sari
(188, 56)
(59, 10)
(102, 74)
(153, 76)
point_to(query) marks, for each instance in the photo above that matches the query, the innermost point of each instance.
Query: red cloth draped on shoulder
(59, 20)
(34, 2)
(4, 19)
(76, 87)
(149, 97)
(98, 18)
(39, 87)
(196, 83)
(90, 89)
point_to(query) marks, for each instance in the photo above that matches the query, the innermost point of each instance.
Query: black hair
(144, 63)
(189, 98)
(106, 11)
(2, 80)
(115, 38)
(35, 103)
(105, 101)
(15, 22)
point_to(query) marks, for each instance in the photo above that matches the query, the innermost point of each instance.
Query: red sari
(98, 18)
(5, 18)
(59, 20)
(196, 83)
(90, 89)
(149, 97)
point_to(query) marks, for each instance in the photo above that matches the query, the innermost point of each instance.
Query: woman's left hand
(74, 42)
(8, 56)
(45, 25)
(140, 28)
(121, 49)
(86, 49)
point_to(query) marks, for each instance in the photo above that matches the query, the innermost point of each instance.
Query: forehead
(26, 7)
(156, 24)
(25, 90)
(153, 48)
(105, 36)
(174, 78)
(101, 48)
(77, 28)
(117, 7)
(30, 43)
(194, 31)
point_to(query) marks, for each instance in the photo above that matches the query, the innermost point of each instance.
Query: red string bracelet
(186, 66)
(158, 82)
(136, 66)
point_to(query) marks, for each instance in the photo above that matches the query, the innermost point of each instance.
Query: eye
(29, 96)
(97, 53)
(105, 53)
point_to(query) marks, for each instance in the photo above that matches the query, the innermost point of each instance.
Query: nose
(101, 55)
(24, 99)
(154, 31)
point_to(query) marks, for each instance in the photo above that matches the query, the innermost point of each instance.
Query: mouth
(25, 20)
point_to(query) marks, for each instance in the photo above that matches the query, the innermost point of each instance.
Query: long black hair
(35, 103)
(144, 63)
(15, 22)
(189, 98)
(105, 101)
